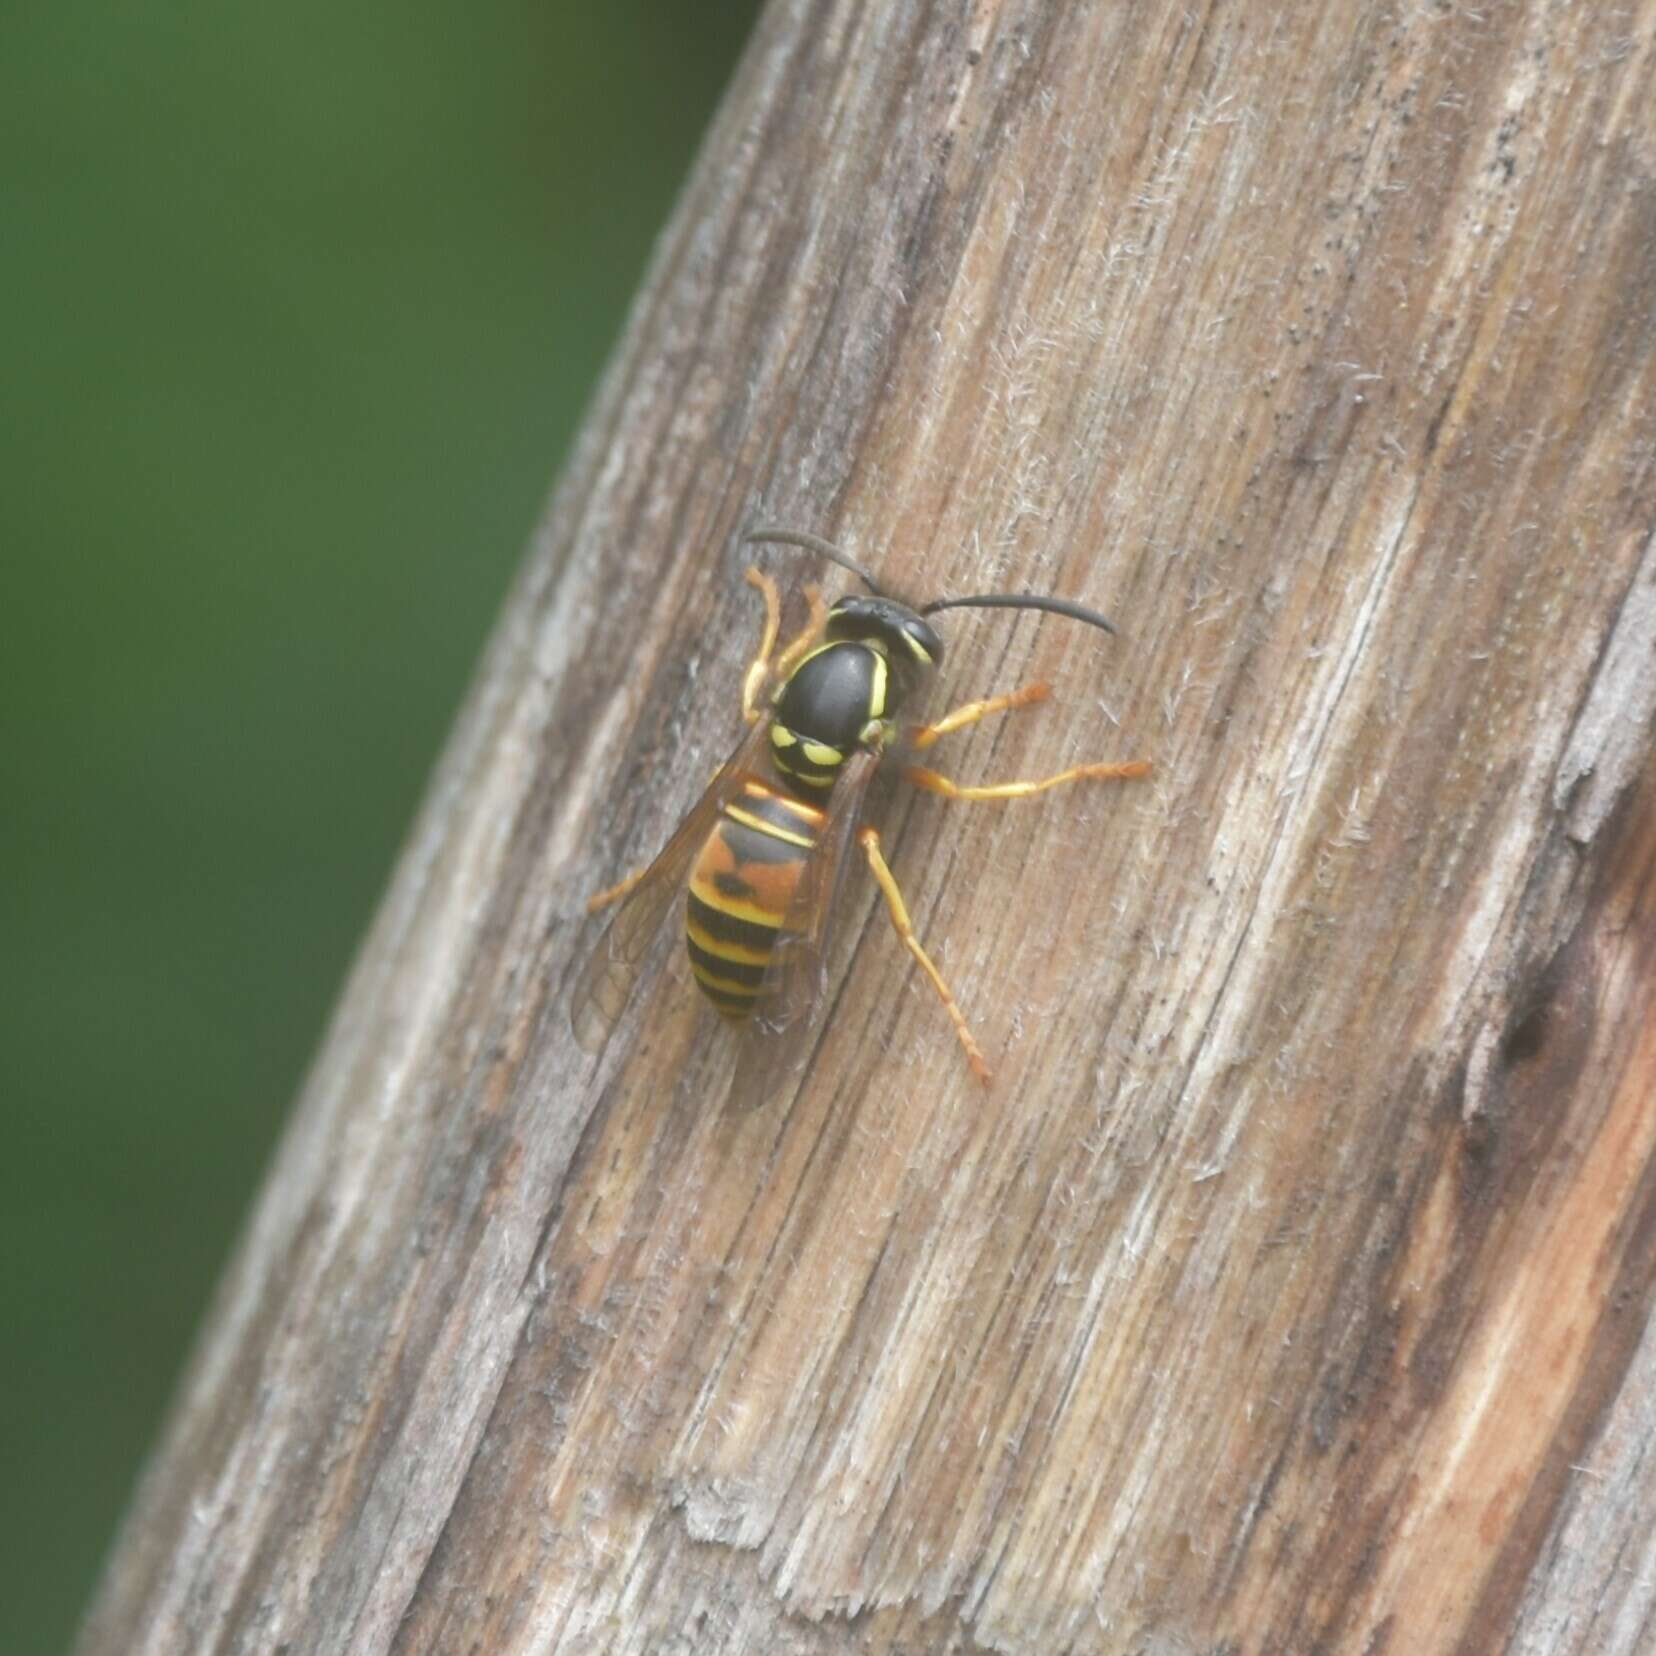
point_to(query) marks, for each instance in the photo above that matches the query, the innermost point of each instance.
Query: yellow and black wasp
(764, 851)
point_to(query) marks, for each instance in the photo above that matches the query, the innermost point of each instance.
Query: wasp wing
(607, 979)
(792, 992)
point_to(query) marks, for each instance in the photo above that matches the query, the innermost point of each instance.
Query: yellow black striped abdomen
(740, 889)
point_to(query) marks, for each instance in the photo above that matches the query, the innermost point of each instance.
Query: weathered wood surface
(1290, 1290)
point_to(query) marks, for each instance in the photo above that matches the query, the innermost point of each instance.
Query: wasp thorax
(846, 693)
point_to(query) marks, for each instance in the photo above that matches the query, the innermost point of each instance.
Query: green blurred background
(299, 308)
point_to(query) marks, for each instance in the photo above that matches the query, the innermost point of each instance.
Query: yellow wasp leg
(971, 712)
(785, 663)
(869, 840)
(806, 636)
(756, 577)
(933, 783)
(603, 899)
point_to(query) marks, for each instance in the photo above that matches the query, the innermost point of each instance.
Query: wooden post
(1289, 1290)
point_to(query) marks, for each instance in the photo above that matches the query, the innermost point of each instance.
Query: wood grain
(1290, 1290)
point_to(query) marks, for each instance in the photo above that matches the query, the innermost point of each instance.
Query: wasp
(763, 854)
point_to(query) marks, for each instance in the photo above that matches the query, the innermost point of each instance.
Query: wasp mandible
(764, 851)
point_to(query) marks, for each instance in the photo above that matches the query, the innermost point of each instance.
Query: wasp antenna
(1023, 601)
(813, 543)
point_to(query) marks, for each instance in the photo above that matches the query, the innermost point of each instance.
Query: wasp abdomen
(740, 889)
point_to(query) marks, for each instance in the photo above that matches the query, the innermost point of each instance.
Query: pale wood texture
(1289, 1291)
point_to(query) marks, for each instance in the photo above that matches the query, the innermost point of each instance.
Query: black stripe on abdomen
(747, 973)
(726, 928)
(793, 819)
(730, 1004)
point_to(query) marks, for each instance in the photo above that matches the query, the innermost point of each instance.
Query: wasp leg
(756, 577)
(869, 840)
(603, 899)
(971, 712)
(933, 783)
(806, 636)
(760, 667)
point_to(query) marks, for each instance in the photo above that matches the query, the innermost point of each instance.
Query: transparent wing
(792, 993)
(606, 981)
